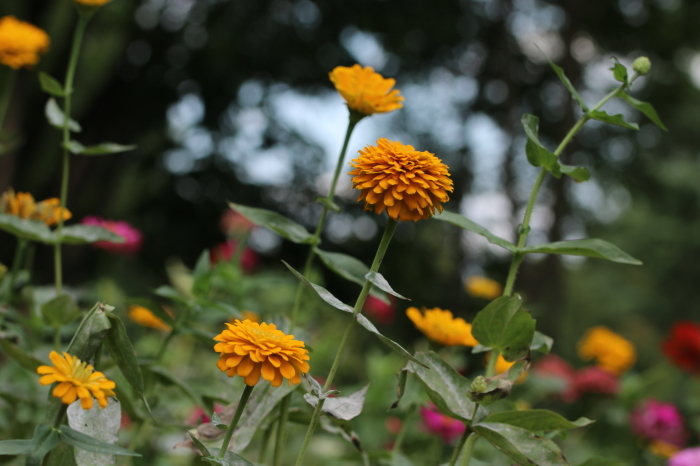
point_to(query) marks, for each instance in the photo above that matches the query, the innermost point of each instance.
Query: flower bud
(641, 65)
(478, 385)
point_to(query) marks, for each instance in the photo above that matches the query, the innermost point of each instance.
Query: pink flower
(554, 366)
(132, 237)
(687, 457)
(224, 252)
(591, 379)
(378, 310)
(437, 423)
(199, 416)
(654, 420)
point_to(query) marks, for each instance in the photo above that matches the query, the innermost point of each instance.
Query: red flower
(379, 311)
(682, 346)
(225, 251)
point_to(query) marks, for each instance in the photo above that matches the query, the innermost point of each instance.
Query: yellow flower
(409, 184)
(663, 449)
(611, 351)
(21, 43)
(249, 350)
(482, 287)
(24, 206)
(442, 327)
(77, 379)
(92, 2)
(145, 317)
(502, 365)
(364, 90)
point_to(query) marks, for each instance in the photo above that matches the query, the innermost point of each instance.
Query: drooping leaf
(618, 120)
(342, 407)
(104, 148)
(445, 387)
(281, 225)
(44, 440)
(619, 72)
(577, 173)
(82, 234)
(15, 447)
(380, 282)
(90, 333)
(504, 326)
(521, 445)
(466, 224)
(50, 85)
(56, 117)
(344, 430)
(60, 311)
(537, 154)
(536, 420)
(402, 377)
(398, 349)
(85, 442)
(645, 107)
(33, 230)
(584, 247)
(567, 84)
(541, 343)
(202, 448)
(24, 359)
(322, 293)
(351, 269)
(217, 422)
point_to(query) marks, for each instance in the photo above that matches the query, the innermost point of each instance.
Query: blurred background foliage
(230, 100)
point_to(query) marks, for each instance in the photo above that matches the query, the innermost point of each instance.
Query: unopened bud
(478, 385)
(641, 65)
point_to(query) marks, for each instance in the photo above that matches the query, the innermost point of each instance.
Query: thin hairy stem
(236, 417)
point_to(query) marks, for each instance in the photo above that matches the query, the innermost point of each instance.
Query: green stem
(68, 89)
(404, 428)
(60, 414)
(57, 339)
(321, 221)
(7, 80)
(281, 431)
(267, 433)
(16, 264)
(164, 346)
(460, 445)
(381, 250)
(468, 448)
(524, 228)
(236, 417)
(491, 368)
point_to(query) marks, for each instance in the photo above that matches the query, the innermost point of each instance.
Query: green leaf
(351, 269)
(229, 459)
(398, 349)
(619, 72)
(444, 386)
(50, 85)
(56, 117)
(344, 430)
(541, 343)
(537, 154)
(466, 224)
(584, 247)
(81, 234)
(644, 107)
(85, 442)
(217, 422)
(402, 377)
(380, 282)
(577, 173)
(504, 326)
(104, 148)
(281, 225)
(59, 311)
(342, 407)
(328, 203)
(536, 420)
(44, 440)
(90, 333)
(602, 462)
(62, 455)
(567, 84)
(322, 293)
(122, 352)
(521, 445)
(202, 448)
(24, 359)
(617, 120)
(184, 388)
(15, 447)
(33, 230)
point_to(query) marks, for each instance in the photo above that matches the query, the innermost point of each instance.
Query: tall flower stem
(524, 228)
(322, 220)
(466, 441)
(381, 250)
(83, 19)
(236, 417)
(468, 447)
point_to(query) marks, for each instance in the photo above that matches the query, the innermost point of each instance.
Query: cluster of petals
(656, 421)
(24, 206)
(611, 351)
(76, 379)
(577, 383)
(132, 237)
(408, 184)
(442, 327)
(444, 426)
(21, 43)
(366, 91)
(145, 317)
(251, 350)
(687, 457)
(482, 287)
(682, 346)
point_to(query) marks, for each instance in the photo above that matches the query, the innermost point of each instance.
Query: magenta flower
(132, 237)
(591, 379)
(687, 457)
(224, 252)
(437, 423)
(379, 311)
(654, 420)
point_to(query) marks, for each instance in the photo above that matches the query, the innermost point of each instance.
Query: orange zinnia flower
(442, 327)
(365, 91)
(24, 206)
(21, 43)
